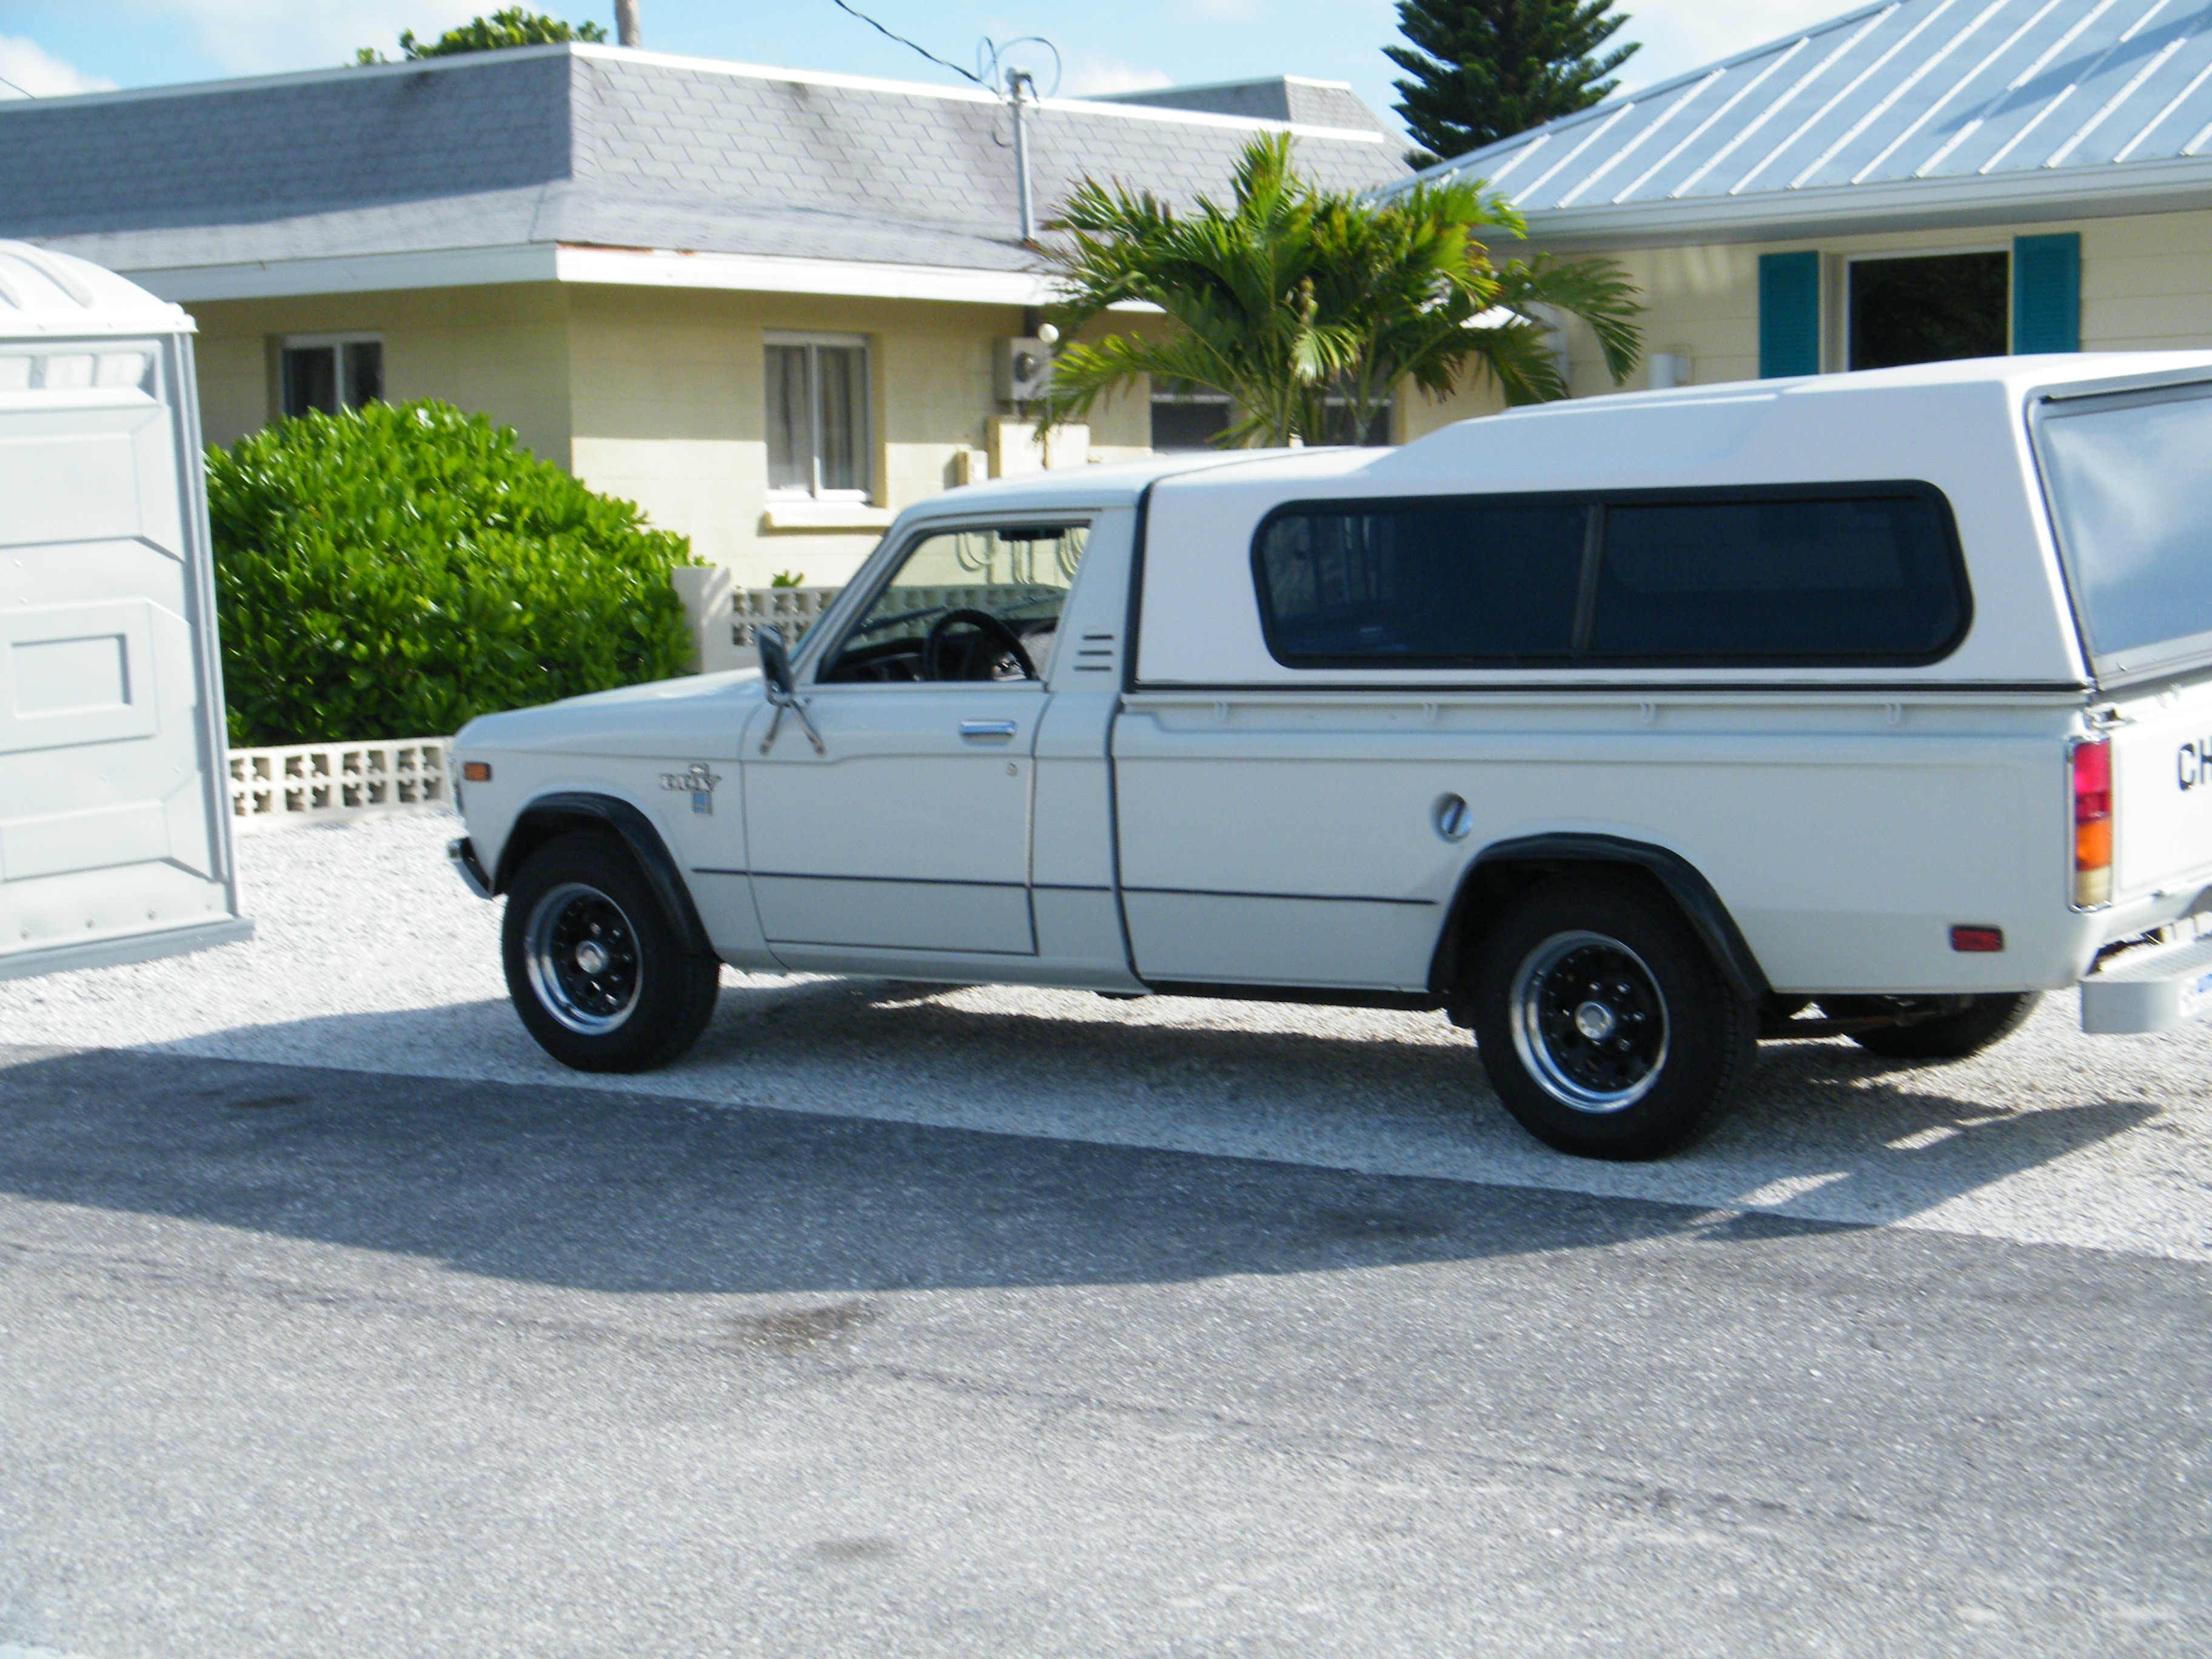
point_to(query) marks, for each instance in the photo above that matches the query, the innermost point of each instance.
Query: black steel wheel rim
(582, 954)
(1589, 1022)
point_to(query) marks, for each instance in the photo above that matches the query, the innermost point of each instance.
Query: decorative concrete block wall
(725, 620)
(336, 782)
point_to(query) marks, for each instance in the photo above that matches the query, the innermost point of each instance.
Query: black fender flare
(549, 814)
(1681, 881)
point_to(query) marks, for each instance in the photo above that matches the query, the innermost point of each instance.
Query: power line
(12, 87)
(903, 41)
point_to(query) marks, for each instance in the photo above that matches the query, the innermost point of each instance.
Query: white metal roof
(1951, 110)
(45, 293)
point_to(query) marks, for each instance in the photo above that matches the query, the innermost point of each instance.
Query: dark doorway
(1926, 309)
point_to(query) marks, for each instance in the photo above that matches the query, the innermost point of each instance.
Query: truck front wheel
(597, 974)
(1606, 1026)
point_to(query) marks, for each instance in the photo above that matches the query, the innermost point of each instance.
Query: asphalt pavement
(329, 1361)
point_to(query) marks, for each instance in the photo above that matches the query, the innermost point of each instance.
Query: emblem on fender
(698, 783)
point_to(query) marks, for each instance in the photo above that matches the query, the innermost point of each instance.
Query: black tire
(599, 976)
(1984, 1022)
(1583, 964)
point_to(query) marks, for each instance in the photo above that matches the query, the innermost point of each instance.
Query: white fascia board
(2161, 186)
(545, 262)
(764, 273)
(367, 273)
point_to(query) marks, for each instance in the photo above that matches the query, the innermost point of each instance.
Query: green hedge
(392, 572)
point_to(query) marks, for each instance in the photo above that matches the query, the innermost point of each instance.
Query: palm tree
(1297, 301)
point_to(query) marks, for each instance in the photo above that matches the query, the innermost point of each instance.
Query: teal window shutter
(1789, 314)
(2046, 292)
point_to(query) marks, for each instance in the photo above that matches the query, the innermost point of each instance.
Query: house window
(1336, 425)
(817, 416)
(331, 372)
(1927, 308)
(1187, 415)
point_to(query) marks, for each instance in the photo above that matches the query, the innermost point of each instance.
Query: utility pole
(625, 23)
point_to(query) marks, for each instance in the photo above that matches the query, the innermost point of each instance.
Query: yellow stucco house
(1910, 181)
(772, 306)
(776, 306)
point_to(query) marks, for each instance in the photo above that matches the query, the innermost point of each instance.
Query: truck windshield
(2125, 475)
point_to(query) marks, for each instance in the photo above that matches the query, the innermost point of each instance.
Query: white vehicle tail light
(2092, 760)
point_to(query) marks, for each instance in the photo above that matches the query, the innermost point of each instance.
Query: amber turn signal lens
(476, 771)
(2093, 844)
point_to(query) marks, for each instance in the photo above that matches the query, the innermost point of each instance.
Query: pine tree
(1485, 70)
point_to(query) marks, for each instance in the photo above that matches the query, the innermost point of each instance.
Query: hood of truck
(705, 712)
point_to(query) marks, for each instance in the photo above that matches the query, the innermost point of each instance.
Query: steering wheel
(996, 633)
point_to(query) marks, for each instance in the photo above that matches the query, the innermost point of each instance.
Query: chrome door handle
(987, 728)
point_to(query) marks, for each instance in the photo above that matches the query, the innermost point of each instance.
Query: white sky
(50, 46)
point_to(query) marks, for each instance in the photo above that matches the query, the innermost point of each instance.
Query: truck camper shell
(1963, 429)
(114, 804)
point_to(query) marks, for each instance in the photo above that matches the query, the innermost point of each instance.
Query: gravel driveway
(371, 957)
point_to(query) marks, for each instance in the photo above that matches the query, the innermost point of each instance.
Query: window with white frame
(1927, 308)
(818, 417)
(1187, 415)
(331, 372)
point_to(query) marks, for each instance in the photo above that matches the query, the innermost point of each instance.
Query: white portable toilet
(114, 800)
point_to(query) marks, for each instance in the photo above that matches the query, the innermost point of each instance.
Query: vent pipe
(1021, 89)
(626, 23)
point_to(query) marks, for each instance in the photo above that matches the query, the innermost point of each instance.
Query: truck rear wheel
(1606, 1026)
(597, 974)
(1984, 1022)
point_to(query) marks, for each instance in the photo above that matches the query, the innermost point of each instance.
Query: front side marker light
(476, 771)
(2092, 766)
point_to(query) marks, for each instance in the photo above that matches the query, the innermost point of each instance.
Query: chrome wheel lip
(1525, 1008)
(549, 982)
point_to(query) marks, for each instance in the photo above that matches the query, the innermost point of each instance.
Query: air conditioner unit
(1022, 368)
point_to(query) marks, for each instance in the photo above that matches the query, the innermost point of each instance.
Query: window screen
(818, 418)
(1187, 418)
(790, 430)
(2134, 524)
(1864, 579)
(331, 375)
(1930, 307)
(1460, 582)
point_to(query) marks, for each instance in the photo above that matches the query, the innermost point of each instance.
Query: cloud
(31, 70)
(1089, 76)
(260, 36)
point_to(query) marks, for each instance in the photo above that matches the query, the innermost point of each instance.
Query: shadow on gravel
(634, 1192)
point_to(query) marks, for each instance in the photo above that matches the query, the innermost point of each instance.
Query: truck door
(909, 830)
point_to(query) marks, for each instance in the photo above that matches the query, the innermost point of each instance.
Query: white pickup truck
(1628, 731)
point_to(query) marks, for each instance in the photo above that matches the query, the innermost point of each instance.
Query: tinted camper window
(2126, 478)
(1431, 583)
(1865, 580)
(1840, 574)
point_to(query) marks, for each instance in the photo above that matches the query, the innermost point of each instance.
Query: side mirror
(783, 690)
(776, 662)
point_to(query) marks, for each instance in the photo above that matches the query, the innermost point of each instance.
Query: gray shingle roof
(1278, 98)
(1942, 101)
(586, 145)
